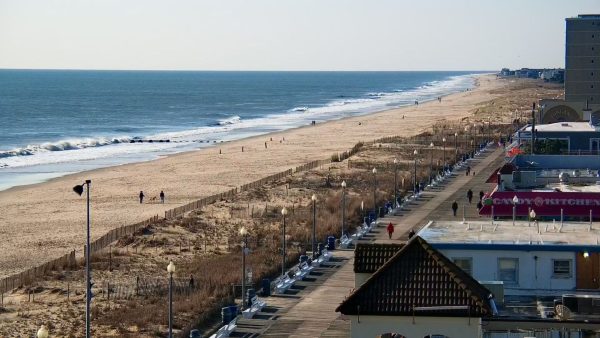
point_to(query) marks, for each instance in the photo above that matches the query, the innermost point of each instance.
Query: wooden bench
(225, 330)
(257, 305)
(282, 283)
(306, 267)
(345, 241)
(299, 274)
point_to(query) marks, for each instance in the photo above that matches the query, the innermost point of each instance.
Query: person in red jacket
(390, 229)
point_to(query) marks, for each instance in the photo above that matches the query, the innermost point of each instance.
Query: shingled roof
(419, 280)
(368, 258)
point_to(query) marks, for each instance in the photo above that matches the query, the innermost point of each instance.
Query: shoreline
(49, 217)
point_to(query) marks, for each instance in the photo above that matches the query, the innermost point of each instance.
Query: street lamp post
(431, 145)
(88, 289)
(515, 201)
(284, 212)
(244, 234)
(395, 182)
(171, 270)
(314, 229)
(416, 152)
(343, 206)
(472, 147)
(466, 136)
(362, 210)
(444, 142)
(455, 146)
(42, 332)
(375, 191)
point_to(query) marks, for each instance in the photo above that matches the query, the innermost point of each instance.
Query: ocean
(57, 122)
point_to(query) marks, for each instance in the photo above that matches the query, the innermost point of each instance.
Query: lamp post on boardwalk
(472, 147)
(431, 145)
(395, 182)
(42, 332)
(455, 146)
(343, 206)
(78, 189)
(362, 209)
(244, 234)
(314, 229)
(444, 142)
(515, 201)
(171, 270)
(284, 212)
(466, 135)
(375, 191)
(416, 152)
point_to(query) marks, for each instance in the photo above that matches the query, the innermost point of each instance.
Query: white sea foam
(233, 127)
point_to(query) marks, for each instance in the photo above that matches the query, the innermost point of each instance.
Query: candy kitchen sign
(547, 203)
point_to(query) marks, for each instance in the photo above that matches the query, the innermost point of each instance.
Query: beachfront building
(562, 138)
(582, 73)
(450, 286)
(416, 293)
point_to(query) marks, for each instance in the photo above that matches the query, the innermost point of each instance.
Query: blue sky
(285, 34)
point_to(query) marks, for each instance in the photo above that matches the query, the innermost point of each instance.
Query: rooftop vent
(564, 124)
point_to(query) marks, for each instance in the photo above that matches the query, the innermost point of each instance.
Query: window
(561, 268)
(508, 270)
(466, 264)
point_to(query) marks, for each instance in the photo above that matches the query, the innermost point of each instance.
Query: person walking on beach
(141, 197)
(470, 195)
(162, 197)
(454, 208)
(390, 229)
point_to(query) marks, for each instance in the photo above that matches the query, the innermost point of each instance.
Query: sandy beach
(44, 221)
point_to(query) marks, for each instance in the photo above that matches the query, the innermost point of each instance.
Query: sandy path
(44, 221)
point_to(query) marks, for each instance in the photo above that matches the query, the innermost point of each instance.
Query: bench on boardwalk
(345, 241)
(257, 305)
(225, 330)
(282, 283)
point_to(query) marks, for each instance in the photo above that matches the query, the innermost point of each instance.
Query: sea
(58, 122)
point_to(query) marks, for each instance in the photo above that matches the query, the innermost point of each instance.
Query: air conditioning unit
(582, 304)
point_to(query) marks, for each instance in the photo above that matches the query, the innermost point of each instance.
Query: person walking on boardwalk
(468, 171)
(162, 197)
(454, 208)
(411, 233)
(479, 206)
(390, 229)
(481, 195)
(470, 195)
(141, 197)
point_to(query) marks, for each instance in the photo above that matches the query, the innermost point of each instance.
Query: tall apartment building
(582, 59)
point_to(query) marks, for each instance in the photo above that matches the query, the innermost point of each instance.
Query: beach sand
(44, 221)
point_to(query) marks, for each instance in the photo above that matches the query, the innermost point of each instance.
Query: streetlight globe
(395, 161)
(243, 231)
(374, 170)
(42, 332)
(171, 267)
(313, 198)
(586, 254)
(455, 134)
(431, 145)
(284, 211)
(416, 152)
(444, 139)
(532, 214)
(362, 205)
(466, 128)
(344, 184)
(471, 142)
(515, 199)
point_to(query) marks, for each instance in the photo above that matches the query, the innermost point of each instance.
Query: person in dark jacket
(454, 208)
(141, 197)
(479, 206)
(481, 194)
(162, 197)
(470, 195)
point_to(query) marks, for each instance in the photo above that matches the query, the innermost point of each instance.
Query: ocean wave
(229, 121)
(298, 109)
(63, 145)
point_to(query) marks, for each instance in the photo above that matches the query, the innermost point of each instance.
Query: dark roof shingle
(419, 280)
(368, 258)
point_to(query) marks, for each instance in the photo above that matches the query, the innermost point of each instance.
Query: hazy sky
(285, 34)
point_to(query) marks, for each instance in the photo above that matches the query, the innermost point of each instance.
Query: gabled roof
(418, 280)
(368, 258)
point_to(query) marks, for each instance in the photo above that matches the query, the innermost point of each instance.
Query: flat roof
(563, 127)
(481, 234)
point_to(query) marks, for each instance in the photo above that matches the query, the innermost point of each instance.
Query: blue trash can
(234, 311)
(320, 247)
(226, 315)
(266, 287)
(195, 334)
(371, 216)
(330, 243)
(250, 293)
(303, 258)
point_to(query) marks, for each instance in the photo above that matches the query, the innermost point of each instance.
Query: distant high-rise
(582, 59)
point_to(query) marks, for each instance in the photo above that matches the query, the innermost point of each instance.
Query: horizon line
(254, 70)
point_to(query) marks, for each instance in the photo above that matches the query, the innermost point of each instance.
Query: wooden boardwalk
(308, 309)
